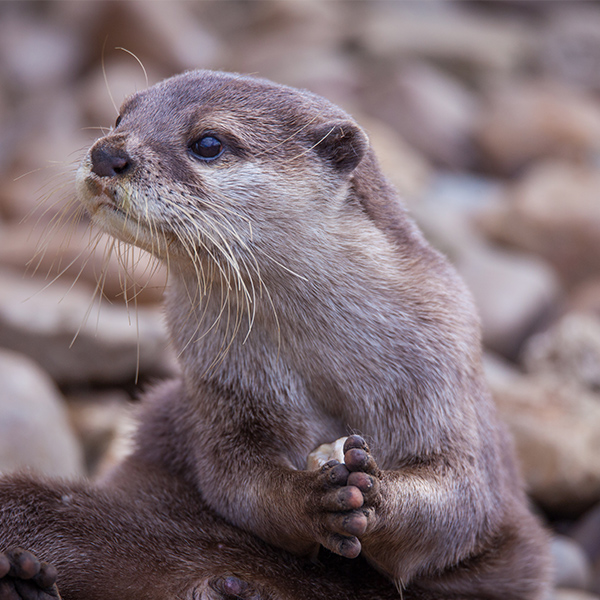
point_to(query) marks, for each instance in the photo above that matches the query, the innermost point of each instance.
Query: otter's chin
(112, 213)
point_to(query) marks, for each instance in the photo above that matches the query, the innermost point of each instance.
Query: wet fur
(304, 306)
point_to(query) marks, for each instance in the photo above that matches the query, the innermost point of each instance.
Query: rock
(513, 292)
(110, 344)
(49, 130)
(441, 32)
(570, 47)
(37, 56)
(595, 585)
(173, 36)
(553, 211)
(408, 170)
(430, 109)
(567, 594)
(571, 566)
(34, 427)
(570, 349)
(555, 425)
(75, 252)
(162, 33)
(586, 532)
(446, 209)
(313, 34)
(100, 420)
(585, 298)
(326, 452)
(527, 120)
(100, 95)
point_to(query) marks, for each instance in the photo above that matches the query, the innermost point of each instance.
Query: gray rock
(570, 349)
(571, 566)
(74, 339)
(570, 594)
(525, 121)
(570, 48)
(553, 211)
(513, 291)
(76, 252)
(34, 427)
(555, 426)
(586, 532)
(438, 31)
(97, 418)
(432, 110)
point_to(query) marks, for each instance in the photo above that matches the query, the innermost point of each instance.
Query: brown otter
(154, 539)
(304, 306)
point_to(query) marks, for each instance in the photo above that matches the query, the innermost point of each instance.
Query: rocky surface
(555, 425)
(573, 594)
(553, 211)
(75, 336)
(570, 349)
(34, 426)
(486, 116)
(572, 567)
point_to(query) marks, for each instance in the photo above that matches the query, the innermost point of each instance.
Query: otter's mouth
(107, 203)
(95, 196)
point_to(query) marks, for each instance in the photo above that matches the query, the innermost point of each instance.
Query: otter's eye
(207, 147)
(118, 121)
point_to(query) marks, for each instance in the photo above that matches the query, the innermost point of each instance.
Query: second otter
(305, 306)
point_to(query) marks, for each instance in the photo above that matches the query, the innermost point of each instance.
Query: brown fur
(305, 306)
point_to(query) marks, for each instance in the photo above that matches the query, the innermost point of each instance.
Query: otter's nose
(109, 162)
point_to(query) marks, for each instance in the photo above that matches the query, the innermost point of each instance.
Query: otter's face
(209, 166)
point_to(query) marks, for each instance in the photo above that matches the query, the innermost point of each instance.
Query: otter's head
(213, 167)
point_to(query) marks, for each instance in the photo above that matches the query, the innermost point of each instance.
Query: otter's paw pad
(345, 505)
(230, 587)
(24, 577)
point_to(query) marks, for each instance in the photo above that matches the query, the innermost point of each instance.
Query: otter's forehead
(180, 102)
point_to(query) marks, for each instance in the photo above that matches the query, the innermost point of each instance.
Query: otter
(304, 306)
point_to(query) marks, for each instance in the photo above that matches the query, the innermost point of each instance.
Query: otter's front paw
(24, 577)
(347, 498)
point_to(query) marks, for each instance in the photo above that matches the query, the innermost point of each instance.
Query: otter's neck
(348, 308)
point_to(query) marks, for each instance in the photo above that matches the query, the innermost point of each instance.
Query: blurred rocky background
(486, 116)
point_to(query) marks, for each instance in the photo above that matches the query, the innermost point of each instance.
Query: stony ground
(486, 115)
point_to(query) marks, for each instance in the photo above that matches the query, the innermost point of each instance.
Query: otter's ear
(342, 143)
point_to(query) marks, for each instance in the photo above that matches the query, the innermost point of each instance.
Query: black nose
(109, 162)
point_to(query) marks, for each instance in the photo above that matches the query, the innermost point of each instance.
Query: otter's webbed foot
(348, 495)
(24, 577)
